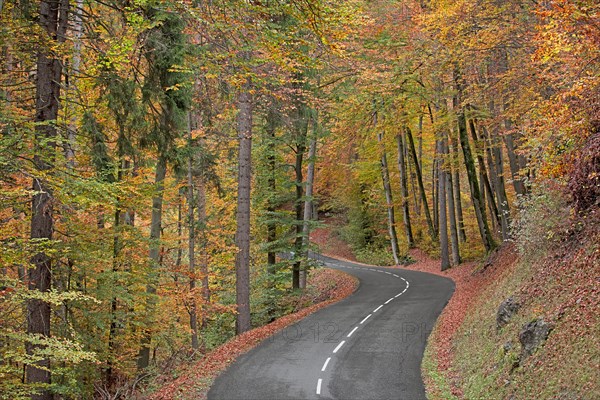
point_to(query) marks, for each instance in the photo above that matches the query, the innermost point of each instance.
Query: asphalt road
(368, 346)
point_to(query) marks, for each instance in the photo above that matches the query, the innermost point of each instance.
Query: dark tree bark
(435, 188)
(404, 191)
(462, 234)
(385, 175)
(299, 208)
(154, 256)
(454, 245)
(485, 185)
(53, 22)
(443, 221)
(179, 258)
(516, 161)
(201, 207)
(242, 236)
(193, 309)
(484, 229)
(497, 169)
(271, 184)
(116, 267)
(413, 151)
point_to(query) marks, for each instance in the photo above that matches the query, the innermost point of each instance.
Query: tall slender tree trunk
(193, 311)
(435, 188)
(154, 256)
(417, 200)
(485, 186)
(308, 202)
(413, 182)
(53, 21)
(179, 258)
(443, 221)
(462, 234)
(413, 151)
(385, 174)
(497, 166)
(454, 245)
(476, 196)
(516, 161)
(204, 272)
(242, 236)
(271, 184)
(484, 229)
(116, 267)
(404, 185)
(301, 133)
(70, 84)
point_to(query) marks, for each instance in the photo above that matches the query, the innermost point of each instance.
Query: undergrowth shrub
(374, 255)
(544, 220)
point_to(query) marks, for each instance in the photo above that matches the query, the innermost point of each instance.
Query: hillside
(554, 278)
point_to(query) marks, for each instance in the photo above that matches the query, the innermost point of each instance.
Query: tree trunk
(154, 256)
(385, 174)
(308, 202)
(516, 162)
(193, 311)
(497, 166)
(485, 185)
(435, 191)
(484, 229)
(416, 200)
(413, 151)
(53, 20)
(454, 245)
(70, 85)
(443, 222)
(201, 206)
(271, 184)
(116, 267)
(299, 207)
(404, 191)
(179, 234)
(242, 236)
(462, 234)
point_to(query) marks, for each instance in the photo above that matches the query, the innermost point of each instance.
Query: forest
(158, 159)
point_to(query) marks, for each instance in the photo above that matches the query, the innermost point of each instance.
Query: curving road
(368, 346)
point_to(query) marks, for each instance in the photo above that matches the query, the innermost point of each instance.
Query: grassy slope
(564, 288)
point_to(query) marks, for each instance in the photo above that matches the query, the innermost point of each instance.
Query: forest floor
(192, 380)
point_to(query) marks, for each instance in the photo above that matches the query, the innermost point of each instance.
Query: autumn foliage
(164, 163)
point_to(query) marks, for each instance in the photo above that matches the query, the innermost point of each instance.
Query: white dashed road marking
(339, 346)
